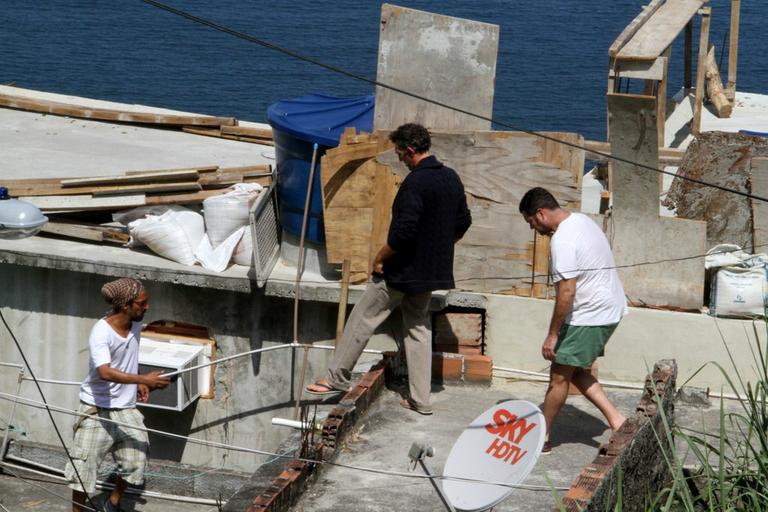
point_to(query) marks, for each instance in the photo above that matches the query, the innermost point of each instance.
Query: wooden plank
(640, 69)
(248, 131)
(661, 97)
(700, 70)
(101, 114)
(199, 170)
(86, 232)
(733, 45)
(190, 198)
(759, 182)
(215, 132)
(186, 186)
(633, 27)
(184, 174)
(462, 52)
(86, 202)
(658, 32)
(666, 155)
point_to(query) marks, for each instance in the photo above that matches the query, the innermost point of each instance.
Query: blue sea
(551, 70)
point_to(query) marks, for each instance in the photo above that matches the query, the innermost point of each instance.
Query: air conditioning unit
(171, 357)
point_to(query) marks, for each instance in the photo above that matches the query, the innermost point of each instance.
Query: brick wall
(634, 454)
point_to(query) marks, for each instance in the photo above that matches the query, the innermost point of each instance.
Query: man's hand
(378, 267)
(153, 380)
(548, 348)
(143, 394)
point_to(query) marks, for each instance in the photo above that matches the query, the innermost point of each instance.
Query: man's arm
(151, 380)
(566, 290)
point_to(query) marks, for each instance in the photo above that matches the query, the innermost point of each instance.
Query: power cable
(214, 444)
(50, 415)
(336, 69)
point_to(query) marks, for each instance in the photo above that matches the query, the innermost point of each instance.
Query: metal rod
(439, 489)
(13, 414)
(299, 271)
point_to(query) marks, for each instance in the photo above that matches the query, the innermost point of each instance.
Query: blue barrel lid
(320, 118)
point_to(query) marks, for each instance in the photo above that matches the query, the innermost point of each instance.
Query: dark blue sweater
(428, 215)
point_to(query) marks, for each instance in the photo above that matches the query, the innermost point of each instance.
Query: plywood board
(759, 180)
(446, 59)
(658, 32)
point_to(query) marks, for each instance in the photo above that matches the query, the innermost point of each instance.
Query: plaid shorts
(95, 438)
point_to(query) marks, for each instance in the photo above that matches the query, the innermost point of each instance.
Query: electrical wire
(45, 402)
(336, 69)
(214, 444)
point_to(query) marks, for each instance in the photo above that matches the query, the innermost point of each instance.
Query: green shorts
(580, 345)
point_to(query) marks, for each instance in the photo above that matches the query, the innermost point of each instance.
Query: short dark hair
(537, 198)
(411, 135)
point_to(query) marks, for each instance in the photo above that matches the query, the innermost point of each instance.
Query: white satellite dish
(501, 445)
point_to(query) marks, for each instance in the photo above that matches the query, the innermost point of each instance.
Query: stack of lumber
(132, 189)
(253, 134)
(214, 126)
(135, 188)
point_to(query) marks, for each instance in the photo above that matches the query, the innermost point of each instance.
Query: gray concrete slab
(388, 431)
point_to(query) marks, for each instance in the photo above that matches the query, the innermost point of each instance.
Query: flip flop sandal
(327, 389)
(408, 404)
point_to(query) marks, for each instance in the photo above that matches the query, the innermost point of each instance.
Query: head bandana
(121, 291)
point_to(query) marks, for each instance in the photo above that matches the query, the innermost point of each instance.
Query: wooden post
(688, 57)
(343, 294)
(661, 98)
(733, 48)
(700, 68)
(715, 91)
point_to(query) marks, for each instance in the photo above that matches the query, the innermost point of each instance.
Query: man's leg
(372, 309)
(78, 501)
(117, 492)
(418, 347)
(557, 392)
(594, 392)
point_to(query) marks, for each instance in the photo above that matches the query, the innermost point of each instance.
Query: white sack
(244, 251)
(224, 214)
(738, 291)
(173, 235)
(216, 259)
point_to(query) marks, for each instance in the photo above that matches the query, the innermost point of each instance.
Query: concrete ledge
(635, 453)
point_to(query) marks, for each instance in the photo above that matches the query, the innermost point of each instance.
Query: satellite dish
(501, 445)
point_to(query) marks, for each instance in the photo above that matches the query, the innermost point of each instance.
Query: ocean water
(551, 70)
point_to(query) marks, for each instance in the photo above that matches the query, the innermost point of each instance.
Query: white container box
(171, 357)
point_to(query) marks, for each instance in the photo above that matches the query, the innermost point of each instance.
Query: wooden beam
(661, 96)
(102, 114)
(631, 29)
(248, 131)
(667, 156)
(88, 232)
(715, 90)
(86, 202)
(185, 186)
(700, 69)
(658, 32)
(184, 174)
(733, 47)
(688, 65)
(642, 69)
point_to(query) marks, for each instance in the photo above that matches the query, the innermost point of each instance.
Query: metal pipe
(299, 271)
(56, 473)
(290, 423)
(13, 413)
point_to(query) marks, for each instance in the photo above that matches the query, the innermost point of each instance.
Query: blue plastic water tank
(297, 125)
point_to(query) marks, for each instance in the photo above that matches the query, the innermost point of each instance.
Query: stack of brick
(458, 352)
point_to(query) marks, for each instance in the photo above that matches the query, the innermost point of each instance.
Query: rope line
(336, 69)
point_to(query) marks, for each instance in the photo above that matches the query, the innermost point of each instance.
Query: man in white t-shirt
(589, 303)
(109, 392)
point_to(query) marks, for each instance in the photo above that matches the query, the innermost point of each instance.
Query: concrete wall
(51, 313)
(516, 326)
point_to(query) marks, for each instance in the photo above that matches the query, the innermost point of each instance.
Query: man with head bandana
(109, 392)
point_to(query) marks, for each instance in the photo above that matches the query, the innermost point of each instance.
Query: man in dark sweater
(429, 216)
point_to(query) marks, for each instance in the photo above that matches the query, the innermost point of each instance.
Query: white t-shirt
(580, 250)
(108, 347)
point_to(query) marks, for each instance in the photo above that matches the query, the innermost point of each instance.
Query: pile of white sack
(739, 282)
(220, 235)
